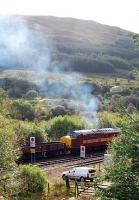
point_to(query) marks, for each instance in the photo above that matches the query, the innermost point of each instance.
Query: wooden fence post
(67, 182)
(76, 189)
(48, 188)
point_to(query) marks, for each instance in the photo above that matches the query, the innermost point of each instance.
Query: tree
(25, 130)
(22, 110)
(8, 152)
(105, 122)
(33, 178)
(58, 110)
(131, 108)
(123, 170)
(31, 94)
(59, 126)
(8, 156)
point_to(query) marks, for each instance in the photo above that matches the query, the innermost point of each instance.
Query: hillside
(79, 45)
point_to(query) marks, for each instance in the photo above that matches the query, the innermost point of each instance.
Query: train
(70, 144)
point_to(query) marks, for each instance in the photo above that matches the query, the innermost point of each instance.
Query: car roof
(86, 168)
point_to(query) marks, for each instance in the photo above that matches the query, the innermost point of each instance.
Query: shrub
(31, 94)
(59, 188)
(131, 108)
(8, 148)
(59, 126)
(42, 112)
(105, 122)
(58, 110)
(22, 110)
(33, 177)
(24, 131)
(38, 134)
(16, 87)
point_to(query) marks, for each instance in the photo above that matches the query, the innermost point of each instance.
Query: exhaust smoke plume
(28, 48)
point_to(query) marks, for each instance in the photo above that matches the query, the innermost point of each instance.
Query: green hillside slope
(84, 46)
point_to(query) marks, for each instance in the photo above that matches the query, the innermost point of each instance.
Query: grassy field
(99, 79)
(105, 79)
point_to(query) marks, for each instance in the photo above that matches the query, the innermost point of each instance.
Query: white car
(80, 173)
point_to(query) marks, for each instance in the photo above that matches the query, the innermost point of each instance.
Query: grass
(99, 79)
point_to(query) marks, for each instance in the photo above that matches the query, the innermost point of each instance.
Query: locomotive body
(91, 139)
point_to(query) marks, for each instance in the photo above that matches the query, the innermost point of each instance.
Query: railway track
(72, 161)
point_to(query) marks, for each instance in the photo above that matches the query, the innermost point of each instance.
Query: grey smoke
(24, 47)
(21, 46)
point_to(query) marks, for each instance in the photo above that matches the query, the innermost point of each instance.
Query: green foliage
(58, 110)
(31, 94)
(8, 156)
(136, 73)
(42, 112)
(131, 108)
(116, 61)
(8, 151)
(20, 109)
(59, 189)
(2, 94)
(123, 170)
(136, 39)
(59, 126)
(25, 130)
(124, 101)
(105, 122)
(33, 177)
(38, 134)
(16, 87)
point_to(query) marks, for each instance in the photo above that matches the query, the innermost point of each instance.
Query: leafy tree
(8, 152)
(59, 126)
(24, 131)
(8, 156)
(105, 122)
(16, 87)
(58, 110)
(131, 108)
(22, 110)
(31, 94)
(33, 178)
(123, 169)
(136, 40)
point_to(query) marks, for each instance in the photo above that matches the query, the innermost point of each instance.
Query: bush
(59, 126)
(38, 134)
(58, 110)
(24, 131)
(16, 87)
(59, 188)
(22, 110)
(8, 148)
(31, 94)
(105, 122)
(33, 177)
(131, 108)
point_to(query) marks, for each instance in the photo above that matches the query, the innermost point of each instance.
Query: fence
(80, 187)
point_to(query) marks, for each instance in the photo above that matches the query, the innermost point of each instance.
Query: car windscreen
(91, 171)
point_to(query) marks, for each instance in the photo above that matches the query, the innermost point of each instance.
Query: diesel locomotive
(91, 139)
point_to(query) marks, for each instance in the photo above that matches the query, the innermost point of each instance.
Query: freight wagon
(46, 149)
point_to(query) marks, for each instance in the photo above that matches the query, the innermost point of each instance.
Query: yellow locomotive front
(68, 142)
